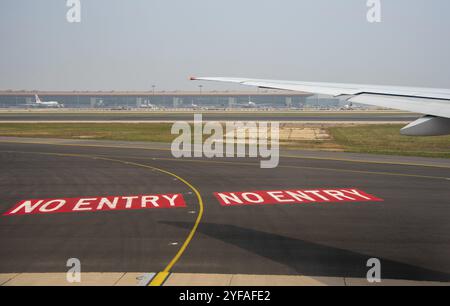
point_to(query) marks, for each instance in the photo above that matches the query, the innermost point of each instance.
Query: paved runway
(409, 231)
(208, 116)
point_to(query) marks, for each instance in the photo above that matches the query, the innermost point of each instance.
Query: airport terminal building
(174, 99)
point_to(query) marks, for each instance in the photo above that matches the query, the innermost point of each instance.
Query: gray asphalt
(114, 116)
(409, 232)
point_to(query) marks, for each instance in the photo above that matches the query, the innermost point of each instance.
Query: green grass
(377, 139)
(386, 139)
(153, 132)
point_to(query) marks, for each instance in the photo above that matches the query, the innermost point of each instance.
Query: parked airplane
(251, 104)
(433, 103)
(148, 105)
(193, 106)
(348, 106)
(38, 102)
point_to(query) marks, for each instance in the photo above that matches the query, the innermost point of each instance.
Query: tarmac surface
(409, 232)
(63, 116)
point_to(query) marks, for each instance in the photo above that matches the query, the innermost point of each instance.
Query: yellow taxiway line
(159, 279)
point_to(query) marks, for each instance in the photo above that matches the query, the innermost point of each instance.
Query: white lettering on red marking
(294, 197)
(52, 206)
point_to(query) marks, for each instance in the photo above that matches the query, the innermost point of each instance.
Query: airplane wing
(432, 102)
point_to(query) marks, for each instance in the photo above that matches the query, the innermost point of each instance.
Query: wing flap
(439, 108)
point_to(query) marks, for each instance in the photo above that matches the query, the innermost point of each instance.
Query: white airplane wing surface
(432, 102)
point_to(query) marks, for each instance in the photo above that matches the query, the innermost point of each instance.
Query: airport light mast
(200, 87)
(152, 100)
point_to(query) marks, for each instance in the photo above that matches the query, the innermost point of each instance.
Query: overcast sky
(132, 44)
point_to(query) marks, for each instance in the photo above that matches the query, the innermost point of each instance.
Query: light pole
(200, 88)
(152, 100)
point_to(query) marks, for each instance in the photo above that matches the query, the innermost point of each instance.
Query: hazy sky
(132, 44)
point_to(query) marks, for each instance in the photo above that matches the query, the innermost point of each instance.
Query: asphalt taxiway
(143, 116)
(408, 231)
